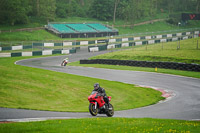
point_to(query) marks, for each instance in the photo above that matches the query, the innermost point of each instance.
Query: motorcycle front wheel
(110, 111)
(92, 109)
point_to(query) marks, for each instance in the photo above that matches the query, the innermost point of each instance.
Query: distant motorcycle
(98, 105)
(64, 62)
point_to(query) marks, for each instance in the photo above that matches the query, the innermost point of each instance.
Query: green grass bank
(188, 53)
(38, 89)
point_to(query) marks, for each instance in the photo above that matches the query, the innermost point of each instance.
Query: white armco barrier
(67, 43)
(94, 49)
(111, 46)
(151, 41)
(5, 54)
(188, 33)
(48, 44)
(185, 37)
(175, 39)
(178, 34)
(159, 36)
(163, 40)
(17, 47)
(124, 39)
(27, 53)
(147, 37)
(65, 51)
(138, 43)
(136, 38)
(169, 35)
(125, 44)
(47, 52)
(84, 43)
(112, 40)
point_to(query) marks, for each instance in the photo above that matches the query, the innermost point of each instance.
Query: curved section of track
(185, 105)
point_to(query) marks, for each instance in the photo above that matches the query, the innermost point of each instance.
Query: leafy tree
(102, 9)
(197, 6)
(153, 7)
(14, 11)
(115, 8)
(61, 8)
(77, 8)
(61, 11)
(45, 9)
(20, 11)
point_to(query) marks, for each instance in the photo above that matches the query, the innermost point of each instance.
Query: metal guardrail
(120, 39)
(158, 32)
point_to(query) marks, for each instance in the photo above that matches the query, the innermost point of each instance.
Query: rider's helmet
(96, 86)
(66, 59)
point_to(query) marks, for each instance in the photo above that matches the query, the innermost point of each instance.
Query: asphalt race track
(184, 105)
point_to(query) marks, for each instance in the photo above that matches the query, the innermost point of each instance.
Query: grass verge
(99, 125)
(145, 69)
(36, 35)
(188, 53)
(33, 88)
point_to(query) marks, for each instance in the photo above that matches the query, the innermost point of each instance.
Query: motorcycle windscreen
(93, 92)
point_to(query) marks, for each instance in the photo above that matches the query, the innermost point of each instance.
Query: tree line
(22, 11)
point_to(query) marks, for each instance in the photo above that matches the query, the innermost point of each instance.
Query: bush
(172, 21)
(174, 18)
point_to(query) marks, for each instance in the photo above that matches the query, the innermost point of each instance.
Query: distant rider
(101, 92)
(65, 61)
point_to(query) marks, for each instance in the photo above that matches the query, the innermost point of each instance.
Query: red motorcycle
(97, 105)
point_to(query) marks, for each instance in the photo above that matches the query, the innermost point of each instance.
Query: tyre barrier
(165, 65)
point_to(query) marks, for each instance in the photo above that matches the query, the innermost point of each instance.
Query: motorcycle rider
(101, 91)
(65, 61)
